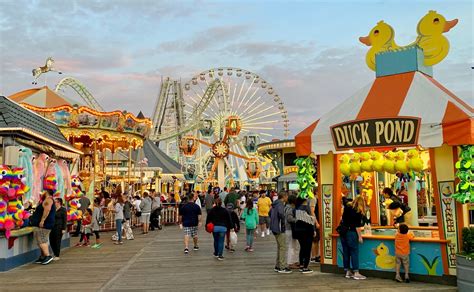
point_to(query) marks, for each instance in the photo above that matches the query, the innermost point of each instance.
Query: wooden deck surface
(155, 262)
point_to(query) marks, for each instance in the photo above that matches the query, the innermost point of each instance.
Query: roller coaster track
(192, 121)
(81, 90)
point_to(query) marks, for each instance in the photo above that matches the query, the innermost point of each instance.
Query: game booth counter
(34, 156)
(407, 132)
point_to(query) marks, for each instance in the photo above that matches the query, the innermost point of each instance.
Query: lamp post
(141, 163)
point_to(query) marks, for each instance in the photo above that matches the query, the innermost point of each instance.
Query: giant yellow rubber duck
(431, 39)
(383, 258)
(415, 163)
(389, 163)
(355, 164)
(366, 162)
(380, 39)
(344, 165)
(401, 165)
(378, 161)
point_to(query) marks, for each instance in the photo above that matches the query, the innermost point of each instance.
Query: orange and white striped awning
(445, 118)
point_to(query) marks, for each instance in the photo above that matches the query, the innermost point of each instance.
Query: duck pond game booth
(407, 132)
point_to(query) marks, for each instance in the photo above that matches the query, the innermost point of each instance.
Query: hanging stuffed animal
(415, 163)
(355, 164)
(366, 184)
(50, 181)
(366, 162)
(389, 164)
(378, 161)
(401, 164)
(60, 180)
(26, 162)
(66, 175)
(39, 170)
(344, 165)
(305, 179)
(72, 199)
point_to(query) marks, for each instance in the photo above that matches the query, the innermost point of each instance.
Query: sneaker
(56, 258)
(196, 248)
(276, 269)
(226, 247)
(247, 248)
(316, 259)
(349, 275)
(301, 269)
(216, 256)
(250, 249)
(285, 271)
(78, 244)
(39, 260)
(47, 260)
(306, 271)
(407, 280)
(120, 242)
(268, 231)
(263, 234)
(186, 251)
(358, 276)
(220, 258)
(231, 250)
(398, 279)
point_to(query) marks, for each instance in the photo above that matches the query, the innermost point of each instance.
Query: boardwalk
(156, 262)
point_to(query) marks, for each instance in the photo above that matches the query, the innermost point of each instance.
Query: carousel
(97, 134)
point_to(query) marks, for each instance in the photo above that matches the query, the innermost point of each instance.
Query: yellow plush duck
(377, 157)
(355, 164)
(380, 39)
(389, 164)
(366, 162)
(415, 163)
(384, 260)
(344, 165)
(401, 164)
(431, 39)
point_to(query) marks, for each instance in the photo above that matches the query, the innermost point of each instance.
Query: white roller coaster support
(81, 90)
(193, 120)
(159, 113)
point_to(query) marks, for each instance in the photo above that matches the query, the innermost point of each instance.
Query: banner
(448, 212)
(400, 131)
(327, 198)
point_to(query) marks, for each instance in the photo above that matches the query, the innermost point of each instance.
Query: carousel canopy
(41, 97)
(15, 118)
(444, 118)
(157, 158)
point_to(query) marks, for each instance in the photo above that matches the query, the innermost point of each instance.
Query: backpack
(101, 219)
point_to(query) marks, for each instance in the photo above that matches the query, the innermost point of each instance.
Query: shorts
(42, 235)
(145, 218)
(264, 219)
(317, 237)
(402, 259)
(191, 231)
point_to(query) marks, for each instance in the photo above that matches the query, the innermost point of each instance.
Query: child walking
(250, 214)
(402, 252)
(86, 227)
(96, 220)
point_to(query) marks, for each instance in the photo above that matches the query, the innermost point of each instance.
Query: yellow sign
(290, 169)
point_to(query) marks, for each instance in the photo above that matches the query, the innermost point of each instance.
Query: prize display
(465, 173)
(305, 177)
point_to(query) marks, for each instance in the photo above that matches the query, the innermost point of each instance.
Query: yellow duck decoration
(366, 162)
(355, 164)
(378, 161)
(389, 164)
(401, 164)
(344, 165)
(380, 39)
(430, 38)
(415, 163)
(383, 258)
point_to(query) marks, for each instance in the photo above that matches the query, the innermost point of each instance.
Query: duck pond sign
(373, 133)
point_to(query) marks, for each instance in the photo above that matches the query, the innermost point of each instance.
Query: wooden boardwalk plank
(156, 262)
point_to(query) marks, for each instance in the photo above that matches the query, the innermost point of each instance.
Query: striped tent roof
(445, 118)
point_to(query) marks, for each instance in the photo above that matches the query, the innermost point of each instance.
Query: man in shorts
(190, 219)
(43, 220)
(264, 205)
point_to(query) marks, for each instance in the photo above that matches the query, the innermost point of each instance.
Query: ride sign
(400, 131)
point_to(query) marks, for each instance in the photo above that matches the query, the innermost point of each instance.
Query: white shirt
(198, 202)
(136, 203)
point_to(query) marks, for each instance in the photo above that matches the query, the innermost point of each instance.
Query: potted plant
(465, 261)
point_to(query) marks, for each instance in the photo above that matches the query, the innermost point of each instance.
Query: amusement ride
(213, 123)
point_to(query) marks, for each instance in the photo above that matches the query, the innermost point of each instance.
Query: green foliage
(468, 242)
(305, 176)
(465, 173)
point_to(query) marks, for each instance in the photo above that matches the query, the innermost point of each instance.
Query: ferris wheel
(215, 121)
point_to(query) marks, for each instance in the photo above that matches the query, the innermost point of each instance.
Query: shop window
(289, 159)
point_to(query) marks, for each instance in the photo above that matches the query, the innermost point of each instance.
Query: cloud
(260, 48)
(209, 38)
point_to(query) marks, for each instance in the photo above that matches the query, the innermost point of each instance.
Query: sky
(307, 50)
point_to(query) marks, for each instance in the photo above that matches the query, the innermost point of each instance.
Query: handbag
(210, 227)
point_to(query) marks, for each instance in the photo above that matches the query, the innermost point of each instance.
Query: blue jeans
(249, 233)
(219, 236)
(118, 225)
(350, 251)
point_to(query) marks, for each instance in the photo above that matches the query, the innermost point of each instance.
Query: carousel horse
(44, 69)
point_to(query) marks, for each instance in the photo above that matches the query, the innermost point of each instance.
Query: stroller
(155, 219)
